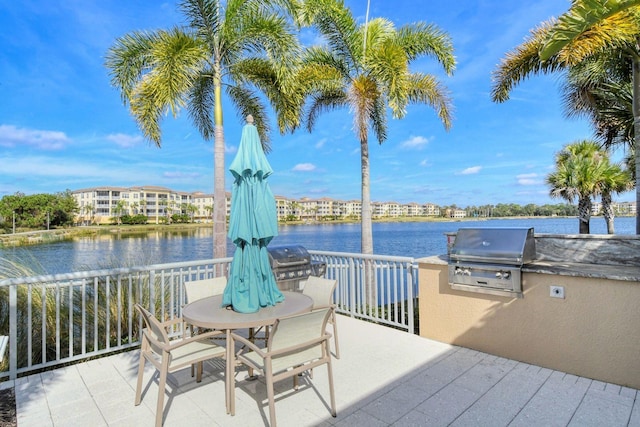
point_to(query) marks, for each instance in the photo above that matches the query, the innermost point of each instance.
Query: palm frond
(323, 102)
(336, 23)
(427, 39)
(580, 19)
(388, 65)
(522, 62)
(427, 89)
(201, 104)
(248, 102)
(203, 17)
(378, 119)
(128, 59)
(619, 31)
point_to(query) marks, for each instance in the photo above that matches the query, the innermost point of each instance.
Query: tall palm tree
(239, 45)
(366, 69)
(590, 28)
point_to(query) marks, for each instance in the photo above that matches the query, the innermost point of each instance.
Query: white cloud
(181, 175)
(415, 142)
(321, 143)
(425, 163)
(11, 136)
(470, 171)
(124, 140)
(304, 167)
(529, 179)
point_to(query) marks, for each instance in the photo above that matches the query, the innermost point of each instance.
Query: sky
(63, 126)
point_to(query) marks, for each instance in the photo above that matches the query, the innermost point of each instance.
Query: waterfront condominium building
(99, 205)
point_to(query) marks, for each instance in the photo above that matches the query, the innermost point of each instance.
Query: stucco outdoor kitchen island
(589, 328)
(209, 313)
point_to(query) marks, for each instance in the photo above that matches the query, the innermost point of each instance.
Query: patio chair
(296, 344)
(198, 289)
(320, 290)
(203, 288)
(171, 355)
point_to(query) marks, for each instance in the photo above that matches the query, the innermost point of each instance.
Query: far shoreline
(35, 237)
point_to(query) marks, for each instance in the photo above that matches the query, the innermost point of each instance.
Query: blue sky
(62, 126)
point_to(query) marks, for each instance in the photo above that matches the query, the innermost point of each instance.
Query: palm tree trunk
(584, 214)
(636, 130)
(607, 211)
(366, 238)
(219, 197)
(366, 228)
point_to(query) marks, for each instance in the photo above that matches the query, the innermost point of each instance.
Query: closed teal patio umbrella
(252, 224)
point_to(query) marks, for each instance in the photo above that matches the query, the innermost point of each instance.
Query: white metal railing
(56, 319)
(377, 288)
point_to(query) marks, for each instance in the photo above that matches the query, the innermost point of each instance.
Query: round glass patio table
(209, 313)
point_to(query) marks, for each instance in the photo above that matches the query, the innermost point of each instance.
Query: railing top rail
(108, 272)
(364, 256)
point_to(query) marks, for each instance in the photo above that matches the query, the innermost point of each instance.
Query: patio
(384, 377)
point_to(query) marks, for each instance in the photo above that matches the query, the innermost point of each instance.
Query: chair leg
(139, 383)
(268, 374)
(162, 383)
(331, 390)
(192, 334)
(199, 374)
(335, 334)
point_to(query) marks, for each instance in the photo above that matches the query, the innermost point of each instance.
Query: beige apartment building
(98, 205)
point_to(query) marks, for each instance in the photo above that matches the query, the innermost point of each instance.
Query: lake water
(412, 239)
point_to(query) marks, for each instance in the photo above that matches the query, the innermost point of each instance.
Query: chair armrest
(200, 337)
(301, 346)
(251, 345)
(172, 322)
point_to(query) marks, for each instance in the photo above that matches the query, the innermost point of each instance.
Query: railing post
(410, 322)
(352, 288)
(13, 332)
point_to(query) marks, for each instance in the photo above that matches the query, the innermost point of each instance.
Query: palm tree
(584, 171)
(241, 46)
(614, 179)
(589, 29)
(366, 69)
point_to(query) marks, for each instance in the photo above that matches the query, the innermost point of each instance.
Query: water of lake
(412, 239)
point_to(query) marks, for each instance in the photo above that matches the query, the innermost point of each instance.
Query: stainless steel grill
(292, 264)
(489, 260)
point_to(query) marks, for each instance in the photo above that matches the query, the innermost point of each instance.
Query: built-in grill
(489, 260)
(292, 264)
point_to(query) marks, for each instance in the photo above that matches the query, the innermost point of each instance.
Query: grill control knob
(467, 272)
(503, 274)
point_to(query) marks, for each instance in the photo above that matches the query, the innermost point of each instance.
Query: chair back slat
(320, 290)
(198, 289)
(295, 331)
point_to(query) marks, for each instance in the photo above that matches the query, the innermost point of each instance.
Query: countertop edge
(629, 273)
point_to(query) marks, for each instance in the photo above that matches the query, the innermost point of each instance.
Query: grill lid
(514, 246)
(288, 256)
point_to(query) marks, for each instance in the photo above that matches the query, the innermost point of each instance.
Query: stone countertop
(628, 273)
(601, 271)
